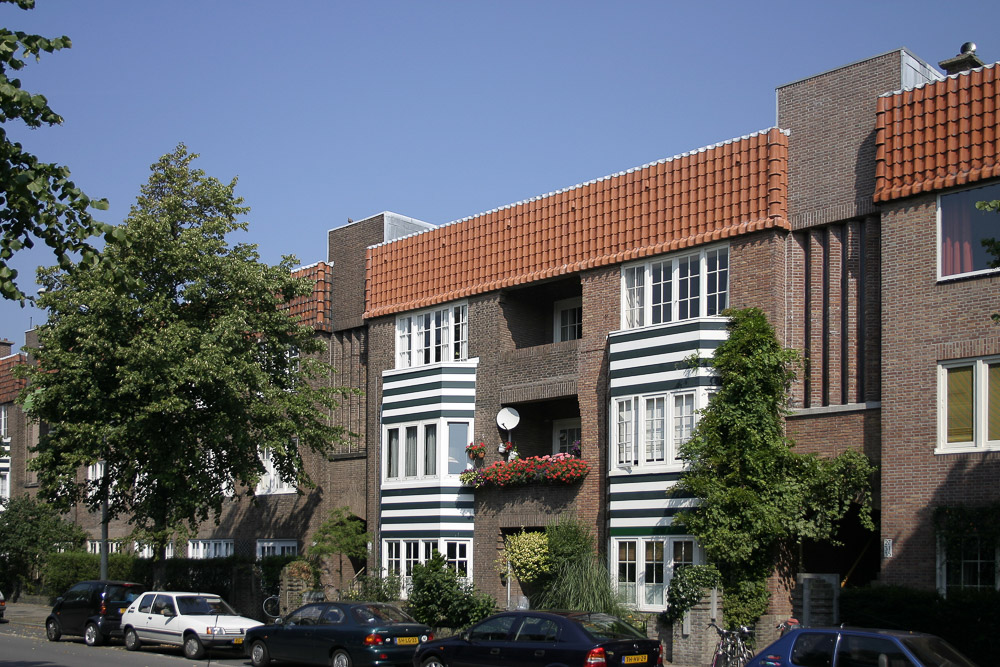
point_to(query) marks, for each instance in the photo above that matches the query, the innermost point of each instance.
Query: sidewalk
(26, 613)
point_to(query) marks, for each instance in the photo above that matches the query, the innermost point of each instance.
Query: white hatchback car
(194, 621)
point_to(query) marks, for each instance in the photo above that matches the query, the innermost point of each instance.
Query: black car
(859, 647)
(538, 639)
(339, 634)
(92, 609)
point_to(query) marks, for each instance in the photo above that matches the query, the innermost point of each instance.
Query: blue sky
(436, 110)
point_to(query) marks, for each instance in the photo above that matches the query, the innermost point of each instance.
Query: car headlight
(215, 631)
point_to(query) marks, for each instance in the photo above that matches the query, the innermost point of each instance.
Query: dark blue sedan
(540, 639)
(339, 634)
(858, 647)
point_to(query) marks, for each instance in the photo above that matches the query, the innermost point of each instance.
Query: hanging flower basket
(476, 450)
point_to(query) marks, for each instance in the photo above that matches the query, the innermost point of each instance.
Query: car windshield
(936, 652)
(203, 605)
(372, 614)
(603, 627)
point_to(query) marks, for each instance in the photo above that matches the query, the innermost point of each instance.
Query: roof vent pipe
(964, 61)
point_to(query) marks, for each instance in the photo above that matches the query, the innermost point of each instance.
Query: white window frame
(991, 191)
(440, 459)
(669, 567)
(94, 546)
(649, 297)
(569, 427)
(274, 547)
(4, 423)
(560, 331)
(4, 486)
(433, 336)
(980, 406)
(399, 555)
(202, 549)
(632, 432)
(270, 483)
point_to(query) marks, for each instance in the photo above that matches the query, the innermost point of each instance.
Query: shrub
(528, 555)
(373, 588)
(440, 600)
(687, 587)
(581, 584)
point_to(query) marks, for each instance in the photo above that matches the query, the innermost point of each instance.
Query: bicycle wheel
(272, 606)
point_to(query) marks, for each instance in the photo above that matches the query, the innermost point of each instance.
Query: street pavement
(26, 613)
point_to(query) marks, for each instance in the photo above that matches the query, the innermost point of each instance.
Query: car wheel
(92, 635)
(340, 659)
(52, 631)
(193, 649)
(259, 655)
(433, 661)
(131, 640)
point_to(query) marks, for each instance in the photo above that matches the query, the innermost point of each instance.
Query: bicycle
(785, 626)
(272, 606)
(732, 650)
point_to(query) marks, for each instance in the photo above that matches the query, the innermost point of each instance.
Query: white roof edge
(309, 266)
(592, 181)
(429, 225)
(901, 49)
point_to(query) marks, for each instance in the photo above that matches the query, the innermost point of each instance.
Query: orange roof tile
(717, 192)
(10, 386)
(315, 309)
(939, 135)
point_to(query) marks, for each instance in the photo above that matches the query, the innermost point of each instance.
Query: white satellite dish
(508, 419)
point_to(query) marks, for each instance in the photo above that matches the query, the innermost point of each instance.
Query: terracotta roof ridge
(946, 77)
(570, 188)
(308, 266)
(606, 259)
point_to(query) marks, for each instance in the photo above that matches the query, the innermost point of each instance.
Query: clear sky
(436, 110)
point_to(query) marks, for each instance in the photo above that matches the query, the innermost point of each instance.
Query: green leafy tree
(756, 495)
(31, 530)
(37, 199)
(181, 370)
(342, 534)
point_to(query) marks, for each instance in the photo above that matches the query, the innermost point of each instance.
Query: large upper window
(432, 336)
(679, 287)
(424, 449)
(969, 404)
(3, 421)
(568, 320)
(648, 430)
(277, 548)
(271, 481)
(963, 228)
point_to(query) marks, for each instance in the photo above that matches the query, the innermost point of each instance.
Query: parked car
(91, 609)
(3, 605)
(538, 638)
(194, 621)
(859, 647)
(340, 634)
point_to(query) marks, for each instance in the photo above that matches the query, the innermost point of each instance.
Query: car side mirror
(279, 621)
(467, 635)
(58, 600)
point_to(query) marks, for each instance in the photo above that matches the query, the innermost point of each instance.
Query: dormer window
(674, 288)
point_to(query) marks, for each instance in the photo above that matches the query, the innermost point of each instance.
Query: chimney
(964, 61)
(5, 347)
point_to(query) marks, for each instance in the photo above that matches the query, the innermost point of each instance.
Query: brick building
(850, 223)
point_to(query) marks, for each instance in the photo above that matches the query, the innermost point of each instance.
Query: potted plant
(476, 450)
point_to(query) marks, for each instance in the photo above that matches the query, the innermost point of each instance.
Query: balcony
(539, 373)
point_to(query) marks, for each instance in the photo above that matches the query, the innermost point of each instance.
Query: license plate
(632, 659)
(238, 641)
(407, 640)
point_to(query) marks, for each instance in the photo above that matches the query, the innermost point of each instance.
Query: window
(566, 436)
(677, 288)
(4, 486)
(568, 321)
(94, 547)
(270, 482)
(432, 336)
(968, 563)
(649, 430)
(412, 452)
(962, 230)
(146, 550)
(645, 565)
(4, 433)
(210, 548)
(277, 548)
(969, 405)
(402, 555)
